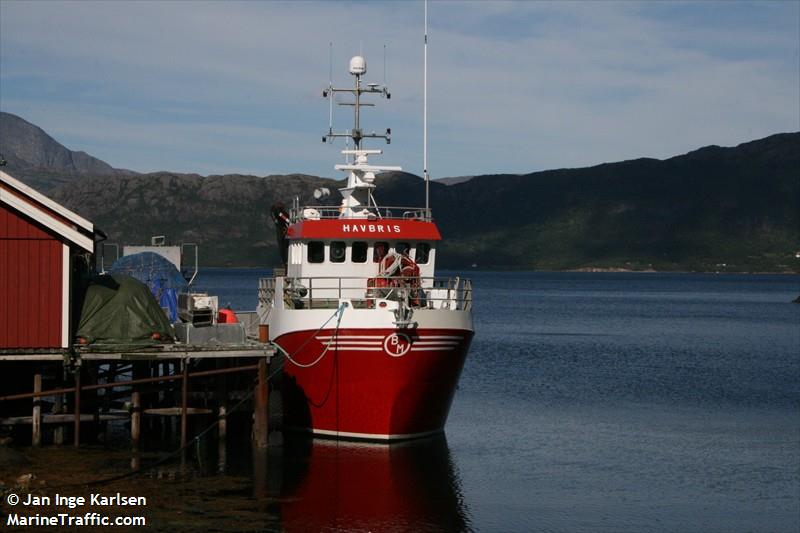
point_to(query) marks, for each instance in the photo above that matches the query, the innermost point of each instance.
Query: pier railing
(442, 293)
(260, 393)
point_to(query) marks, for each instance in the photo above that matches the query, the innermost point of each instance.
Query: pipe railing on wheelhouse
(316, 212)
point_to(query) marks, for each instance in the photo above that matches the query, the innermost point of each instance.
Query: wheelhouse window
(359, 252)
(379, 251)
(423, 253)
(316, 252)
(338, 249)
(402, 248)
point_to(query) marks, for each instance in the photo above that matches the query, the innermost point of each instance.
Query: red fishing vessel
(373, 341)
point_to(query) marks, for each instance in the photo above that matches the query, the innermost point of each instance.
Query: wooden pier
(137, 377)
(48, 380)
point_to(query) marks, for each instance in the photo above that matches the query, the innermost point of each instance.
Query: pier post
(222, 420)
(140, 370)
(36, 422)
(222, 443)
(77, 407)
(184, 401)
(136, 420)
(58, 432)
(260, 477)
(260, 407)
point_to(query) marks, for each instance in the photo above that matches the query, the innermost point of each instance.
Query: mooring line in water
(340, 312)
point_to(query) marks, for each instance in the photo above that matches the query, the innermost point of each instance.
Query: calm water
(589, 402)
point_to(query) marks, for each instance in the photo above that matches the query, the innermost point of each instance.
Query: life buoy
(372, 293)
(389, 265)
(408, 268)
(396, 270)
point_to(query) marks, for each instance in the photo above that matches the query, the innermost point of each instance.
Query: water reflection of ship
(409, 486)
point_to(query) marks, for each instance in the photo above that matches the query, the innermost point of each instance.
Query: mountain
(454, 180)
(40, 160)
(228, 216)
(713, 209)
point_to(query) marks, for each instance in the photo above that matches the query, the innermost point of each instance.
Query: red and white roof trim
(45, 211)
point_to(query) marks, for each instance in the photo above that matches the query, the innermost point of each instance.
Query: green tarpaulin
(118, 309)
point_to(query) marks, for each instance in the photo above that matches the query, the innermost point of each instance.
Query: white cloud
(514, 86)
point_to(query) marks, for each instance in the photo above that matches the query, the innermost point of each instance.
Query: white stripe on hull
(433, 349)
(329, 337)
(347, 347)
(351, 343)
(380, 348)
(379, 338)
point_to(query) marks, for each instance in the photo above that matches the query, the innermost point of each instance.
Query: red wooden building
(40, 243)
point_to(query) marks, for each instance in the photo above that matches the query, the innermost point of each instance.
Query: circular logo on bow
(397, 344)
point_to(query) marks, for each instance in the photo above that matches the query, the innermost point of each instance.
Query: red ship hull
(377, 384)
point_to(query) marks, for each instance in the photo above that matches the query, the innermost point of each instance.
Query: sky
(513, 87)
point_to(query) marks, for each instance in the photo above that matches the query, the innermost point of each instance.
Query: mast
(358, 67)
(425, 114)
(357, 200)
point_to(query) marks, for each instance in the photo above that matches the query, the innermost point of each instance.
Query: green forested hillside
(712, 209)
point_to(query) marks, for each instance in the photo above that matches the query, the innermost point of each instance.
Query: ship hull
(374, 384)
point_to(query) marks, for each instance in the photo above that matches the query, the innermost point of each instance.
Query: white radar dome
(358, 66)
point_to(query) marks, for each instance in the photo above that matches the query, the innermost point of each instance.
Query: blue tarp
(160, 276)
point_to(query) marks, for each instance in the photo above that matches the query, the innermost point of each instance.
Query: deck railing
(313, 212)
(442, 293)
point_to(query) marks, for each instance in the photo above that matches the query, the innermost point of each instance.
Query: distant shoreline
(590, 270)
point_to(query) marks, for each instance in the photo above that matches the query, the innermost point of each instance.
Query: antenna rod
(330, 89)
(425, 115)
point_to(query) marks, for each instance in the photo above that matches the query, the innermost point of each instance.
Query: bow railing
(327, 292)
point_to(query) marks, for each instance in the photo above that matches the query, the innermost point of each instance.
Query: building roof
(52, 215)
